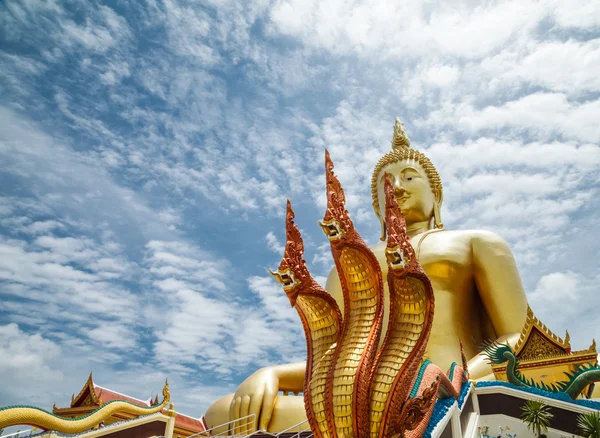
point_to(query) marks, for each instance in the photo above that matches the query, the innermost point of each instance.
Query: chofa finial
(400, 138)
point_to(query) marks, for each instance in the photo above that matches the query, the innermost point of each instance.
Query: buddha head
(416, 182)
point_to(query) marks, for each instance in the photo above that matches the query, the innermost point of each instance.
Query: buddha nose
(398, 186)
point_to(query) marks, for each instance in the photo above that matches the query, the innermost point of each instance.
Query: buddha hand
(256, 395)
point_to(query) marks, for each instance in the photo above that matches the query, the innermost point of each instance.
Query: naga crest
(353, 387)
(399, 252)
(336, 221)
(292, 271)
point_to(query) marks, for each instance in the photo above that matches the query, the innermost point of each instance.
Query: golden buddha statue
(478, 291)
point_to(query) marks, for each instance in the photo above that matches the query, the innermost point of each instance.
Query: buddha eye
(409, 178)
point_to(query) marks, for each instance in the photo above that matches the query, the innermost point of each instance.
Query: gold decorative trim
(533, 322)
(89, 384)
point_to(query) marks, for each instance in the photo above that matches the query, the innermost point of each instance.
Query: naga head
(336, 221)
(417, 184)
(399, 252)
(292, 271)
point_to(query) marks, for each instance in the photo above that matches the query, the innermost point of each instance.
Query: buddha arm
(501, 290)
(291, 376)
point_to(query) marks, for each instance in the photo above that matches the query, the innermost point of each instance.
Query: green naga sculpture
(577, 380)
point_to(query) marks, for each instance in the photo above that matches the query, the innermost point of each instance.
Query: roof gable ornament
(537, 340)
(87, 396)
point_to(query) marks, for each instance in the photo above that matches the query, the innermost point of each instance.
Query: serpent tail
(576, 382)
(20, 415)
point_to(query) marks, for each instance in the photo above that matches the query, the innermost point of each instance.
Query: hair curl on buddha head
(401, 150)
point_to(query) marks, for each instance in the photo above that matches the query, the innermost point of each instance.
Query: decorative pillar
(171, 421)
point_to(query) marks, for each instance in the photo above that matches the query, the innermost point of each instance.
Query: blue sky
(148, 148)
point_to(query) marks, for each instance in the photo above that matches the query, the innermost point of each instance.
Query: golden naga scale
(18, 415)
(352, 388)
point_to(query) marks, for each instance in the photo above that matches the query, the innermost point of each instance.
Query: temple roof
(92, 396)
(537, 341)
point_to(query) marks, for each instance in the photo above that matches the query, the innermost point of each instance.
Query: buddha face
(411, 190)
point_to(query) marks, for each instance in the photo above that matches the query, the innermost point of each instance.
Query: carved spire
(400, 138)
(593, 346)
(336, 220)
(292, 235)
(567, 337)
(292, 270)
(166, 393)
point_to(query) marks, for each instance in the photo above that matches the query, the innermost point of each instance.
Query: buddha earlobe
(437, 219)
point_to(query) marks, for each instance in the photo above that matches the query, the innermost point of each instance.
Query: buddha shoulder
(455, 242)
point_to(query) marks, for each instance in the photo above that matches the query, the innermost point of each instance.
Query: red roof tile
(106, 395)
(190, 423)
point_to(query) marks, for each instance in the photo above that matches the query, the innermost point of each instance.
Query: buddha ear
(437, 206)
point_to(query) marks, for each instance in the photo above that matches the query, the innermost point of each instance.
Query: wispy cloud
(149, 149)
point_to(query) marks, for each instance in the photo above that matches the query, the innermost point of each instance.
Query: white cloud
(207, 327)
(111, 335)
(442, 75)
(557, 287)
(98, 34)
(25, 359)
(273, 298)
(541, 115)
(579, 14)
(115, 73)
(375, 28)
(40, 227)
(560, 66)
(274, 244)
(47, 277)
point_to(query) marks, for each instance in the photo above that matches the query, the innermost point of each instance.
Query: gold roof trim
(89, 384)
(583, 355)
(533, 322)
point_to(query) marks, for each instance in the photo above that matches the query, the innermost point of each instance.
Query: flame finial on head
(400, 138)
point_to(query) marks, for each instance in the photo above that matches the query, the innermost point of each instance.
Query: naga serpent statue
(17, 415)
(577, 380)
(352, 388)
